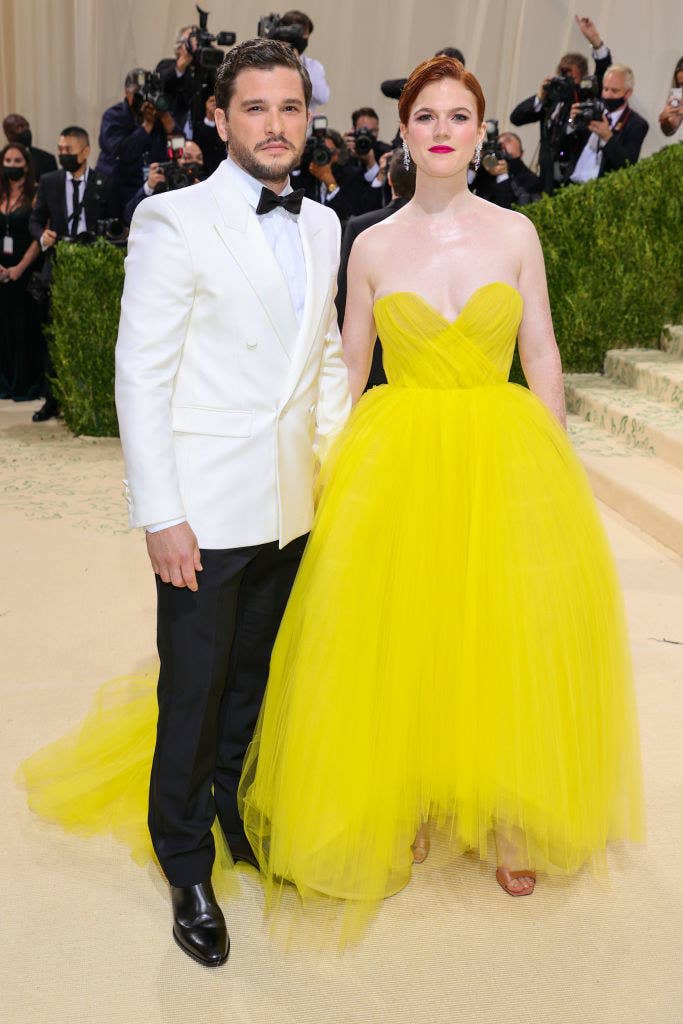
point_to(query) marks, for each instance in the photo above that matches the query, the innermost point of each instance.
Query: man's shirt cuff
(156, 527)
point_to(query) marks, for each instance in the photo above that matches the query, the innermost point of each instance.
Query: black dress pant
(215, 646)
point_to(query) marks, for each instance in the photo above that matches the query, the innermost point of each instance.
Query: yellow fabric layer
(454, 648)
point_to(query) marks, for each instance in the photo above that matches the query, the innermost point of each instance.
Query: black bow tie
(269, 201)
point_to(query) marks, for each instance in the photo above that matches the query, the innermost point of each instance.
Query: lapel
(318, 282)
(239, 230)
(61, 204)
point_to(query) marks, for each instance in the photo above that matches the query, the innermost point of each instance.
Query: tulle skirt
(453, 651)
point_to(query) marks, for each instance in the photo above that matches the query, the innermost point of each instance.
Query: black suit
(557, 147)
(354, 227)
(355, 195)
(521, 187)
(42, 162)
(50, 206)
(624, 146)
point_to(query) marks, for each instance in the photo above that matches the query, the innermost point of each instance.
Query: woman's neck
(438, 196)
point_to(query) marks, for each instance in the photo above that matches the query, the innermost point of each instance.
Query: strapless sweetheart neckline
(426, 302)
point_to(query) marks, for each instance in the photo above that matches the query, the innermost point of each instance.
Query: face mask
(25, 138)
(194, 169)
(69, 162)
(13, 173)
(614, 102)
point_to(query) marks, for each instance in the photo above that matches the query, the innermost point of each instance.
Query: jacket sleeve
(524, 112)
(40, 214)
(134, 145)
(624, 148)
(334, 398)
(155, 313)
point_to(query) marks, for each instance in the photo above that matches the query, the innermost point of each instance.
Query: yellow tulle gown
(454, 647)
(453, 651)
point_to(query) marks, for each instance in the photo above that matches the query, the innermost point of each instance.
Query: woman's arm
(538, 349)
(359, 333)
(25, 262)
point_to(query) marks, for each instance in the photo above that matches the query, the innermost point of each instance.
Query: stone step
(655, 373)
(671, 339)
(642, 488)
(655, 428)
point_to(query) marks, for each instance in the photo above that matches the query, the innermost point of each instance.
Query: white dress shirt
(281, 229)
(589, 162)
(70, 200)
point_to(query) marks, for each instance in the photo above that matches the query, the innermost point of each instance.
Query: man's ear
(221, 120)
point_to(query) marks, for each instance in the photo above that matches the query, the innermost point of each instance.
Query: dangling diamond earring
(477, 156)
(406, 155)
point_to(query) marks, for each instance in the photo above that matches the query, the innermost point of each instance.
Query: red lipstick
(441, 149)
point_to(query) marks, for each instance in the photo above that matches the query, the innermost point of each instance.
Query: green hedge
(86, 296)
(613, 259)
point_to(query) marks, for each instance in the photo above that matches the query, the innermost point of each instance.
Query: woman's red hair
(433, 70)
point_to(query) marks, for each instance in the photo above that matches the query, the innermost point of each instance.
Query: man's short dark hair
(263, 55)
(577, 60)
(74, 132)
(297, 18)
(363, 112)
(132, 77)
(402, 180)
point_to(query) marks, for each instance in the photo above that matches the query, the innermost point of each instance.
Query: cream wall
(63, 61)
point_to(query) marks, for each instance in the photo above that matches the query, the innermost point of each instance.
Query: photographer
(179, 79)
(672, 115)
(552, 104)
(17, 129)
(366, 149)
(612, 140)
(188, 169)
(69, 203)
(331, 179)
(207, 138)
(316, 72)
(503, 178)
(133, 133)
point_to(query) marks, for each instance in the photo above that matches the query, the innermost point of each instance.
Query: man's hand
(210, 109)
(14, 273)
(587, 28)
(601, 128)
(48, 238)
(542, 89)
(174, 554)
(500, 168)
(167, 122)
(156, 177)
(184, 58)
(148, 115)
(324, 174)
(383, 162)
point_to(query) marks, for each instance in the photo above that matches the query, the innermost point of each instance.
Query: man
(17, 129)
(366, 120)
(558, 147)
(205, 134)
(180, 82)
(191, 161)
(402, 186)
(616, 139)
(507, 181)
(229, 368)
(133, 134)
(340, 184)
(316, 72)
(69, 202)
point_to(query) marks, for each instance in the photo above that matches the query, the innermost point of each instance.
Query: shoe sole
(197, 958)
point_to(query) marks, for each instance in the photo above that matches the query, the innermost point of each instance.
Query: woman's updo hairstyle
(433, 70)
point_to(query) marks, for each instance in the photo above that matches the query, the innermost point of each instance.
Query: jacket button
(252, 343)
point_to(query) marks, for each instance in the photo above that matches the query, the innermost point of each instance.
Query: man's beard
(249, 161)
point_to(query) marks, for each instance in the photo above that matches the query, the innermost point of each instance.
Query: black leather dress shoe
(47, 411)
(199, 925)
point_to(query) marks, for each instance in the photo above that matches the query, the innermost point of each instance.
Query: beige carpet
(85, 934)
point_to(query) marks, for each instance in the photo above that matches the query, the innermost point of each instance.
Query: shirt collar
(614, 115)
(70, 177)
(249, 186)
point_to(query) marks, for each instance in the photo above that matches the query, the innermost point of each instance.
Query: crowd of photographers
(162, 135)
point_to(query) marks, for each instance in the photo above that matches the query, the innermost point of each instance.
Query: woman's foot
(516, 883)
(420, 845)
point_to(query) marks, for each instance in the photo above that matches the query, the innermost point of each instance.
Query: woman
(20, 333)
(672, 114)
(454, 650)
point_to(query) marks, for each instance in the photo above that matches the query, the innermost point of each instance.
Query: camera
(270, 27)
(491, 150)
(589, 110)
(206, 55)
(365, 141)
(150, 91)
(565, 90)
(315, 150)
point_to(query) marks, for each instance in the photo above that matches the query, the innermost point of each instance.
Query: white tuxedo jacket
(222, 397)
